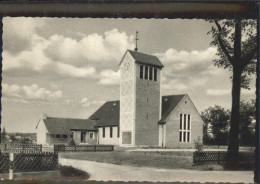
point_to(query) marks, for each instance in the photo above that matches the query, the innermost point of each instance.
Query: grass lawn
(167, 160)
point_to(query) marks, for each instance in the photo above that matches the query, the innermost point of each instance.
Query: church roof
(64, 125)
(169, 103)
(143, 58)
(109, 113)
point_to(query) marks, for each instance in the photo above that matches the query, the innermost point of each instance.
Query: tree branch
(248, 57)
(224, 49)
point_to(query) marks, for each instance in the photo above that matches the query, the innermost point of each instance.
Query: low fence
(28, 161)
(218, 157)
(18, 147)
(82, 148)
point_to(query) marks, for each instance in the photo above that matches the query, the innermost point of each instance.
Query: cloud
(72, 71)
(33, 59)
(218, 92)
(69, 57)
(174, 85)
(85, 102)
(29, 93)
(17, 33)
(109, 77)
(92, 48)
(185, 70)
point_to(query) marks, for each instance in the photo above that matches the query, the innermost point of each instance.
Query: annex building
(142, 116)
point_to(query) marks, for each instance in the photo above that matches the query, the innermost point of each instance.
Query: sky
(68, 67)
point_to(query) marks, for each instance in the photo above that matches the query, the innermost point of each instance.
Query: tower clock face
(126, 66)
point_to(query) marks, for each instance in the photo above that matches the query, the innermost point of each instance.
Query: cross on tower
(136, 39)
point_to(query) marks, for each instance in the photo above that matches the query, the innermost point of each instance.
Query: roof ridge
(142, 53)
(51, 117)
(175, 95)
(112, 101)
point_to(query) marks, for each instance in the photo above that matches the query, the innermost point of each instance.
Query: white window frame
(181, 131)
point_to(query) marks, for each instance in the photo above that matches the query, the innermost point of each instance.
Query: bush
(198, 145)
(72, 143)
(71, 172)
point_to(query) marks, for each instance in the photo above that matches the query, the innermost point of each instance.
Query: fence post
(5, 146)
(11, 166)
(40, 147)
(218, 157)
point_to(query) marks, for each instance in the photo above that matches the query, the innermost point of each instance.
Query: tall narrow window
(188, 122)
(150, 73)
(146, 72)
(141, 71)
(104, 132)
(184, 133)
(118, 132)
(111, 132)
(155, 74)
(180, 136)
(184, 126)
(180, 121)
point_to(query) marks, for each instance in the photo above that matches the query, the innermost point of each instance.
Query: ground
(105, 172)
(156, 158)
(174, 160)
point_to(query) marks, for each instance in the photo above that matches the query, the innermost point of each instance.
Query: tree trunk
(233, 144)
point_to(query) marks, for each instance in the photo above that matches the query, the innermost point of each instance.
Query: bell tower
(140, 99)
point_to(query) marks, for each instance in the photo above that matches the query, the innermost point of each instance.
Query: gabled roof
(107, 114)
(169, 103)
(143, 58)
(64, 125)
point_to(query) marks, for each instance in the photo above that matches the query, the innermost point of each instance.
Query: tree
(236, 44)
(3, 134)
(247, 120)
(218, 120)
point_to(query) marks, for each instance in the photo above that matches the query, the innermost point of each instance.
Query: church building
(142, 116)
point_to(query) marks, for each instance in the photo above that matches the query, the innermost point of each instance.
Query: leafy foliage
(223, 34)
(247, 125)
(3, 135)
(216, 120)
(198, 145)
(236, 44)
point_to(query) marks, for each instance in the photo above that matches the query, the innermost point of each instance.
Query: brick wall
(147, 110)
(173, 125)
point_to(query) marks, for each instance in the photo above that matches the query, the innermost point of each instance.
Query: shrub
(198, 145)
(72, 143)
(71, 172)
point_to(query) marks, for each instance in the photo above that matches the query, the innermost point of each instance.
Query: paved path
(104, 171)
